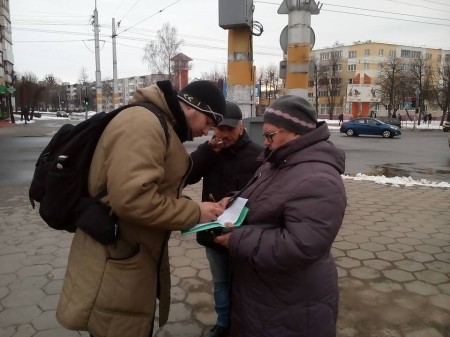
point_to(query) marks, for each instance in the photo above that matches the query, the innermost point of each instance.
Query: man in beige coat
(111, 291)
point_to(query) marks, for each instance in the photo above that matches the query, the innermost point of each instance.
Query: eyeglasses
(269, 135)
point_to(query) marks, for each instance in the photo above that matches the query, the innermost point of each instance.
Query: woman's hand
(224, 238)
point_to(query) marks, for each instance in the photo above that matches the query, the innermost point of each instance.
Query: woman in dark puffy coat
(284, 277)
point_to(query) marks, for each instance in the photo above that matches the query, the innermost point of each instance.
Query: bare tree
(158, 53)
(28, 91)
(315, 83)
(214, 75)
(107, 90)
(329, 79)
(272, 80)
(421, 74)
(441, 90)
(392, 85)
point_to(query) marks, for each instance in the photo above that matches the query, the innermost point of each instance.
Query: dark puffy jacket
(223, 172)
(284, 277)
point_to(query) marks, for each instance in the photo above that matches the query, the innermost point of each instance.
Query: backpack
(60, 179)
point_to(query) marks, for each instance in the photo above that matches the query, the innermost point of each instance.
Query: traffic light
(86, 101)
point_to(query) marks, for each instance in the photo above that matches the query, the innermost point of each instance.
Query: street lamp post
(417, 92)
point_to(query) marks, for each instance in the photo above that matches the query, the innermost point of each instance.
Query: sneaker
(217, 331)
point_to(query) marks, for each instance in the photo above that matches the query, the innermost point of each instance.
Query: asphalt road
(419, 154)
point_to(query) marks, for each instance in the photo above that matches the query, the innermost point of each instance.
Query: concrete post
(240, 70)
(98, 76)
(299, 44)
(115, 90)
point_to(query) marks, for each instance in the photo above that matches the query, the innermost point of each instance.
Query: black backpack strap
(158, 113)
(162, 119)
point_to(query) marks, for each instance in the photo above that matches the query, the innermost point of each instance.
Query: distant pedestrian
(341, 118)
(425, 117)
(24, 114)
(399, 116)
(429, 118)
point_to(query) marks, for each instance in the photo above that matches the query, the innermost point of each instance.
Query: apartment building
(6, 59)
(352, 88)
(74, 94)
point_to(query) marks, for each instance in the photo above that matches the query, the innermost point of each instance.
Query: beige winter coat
(111, 291)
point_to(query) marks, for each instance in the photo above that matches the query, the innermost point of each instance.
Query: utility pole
(240, 69)
(237, 17)
(115, 90)
(98, 77)
(299, 43)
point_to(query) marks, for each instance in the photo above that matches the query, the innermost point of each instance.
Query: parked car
(369, 126)
(62, 114)
(390, 120)
(446, 126)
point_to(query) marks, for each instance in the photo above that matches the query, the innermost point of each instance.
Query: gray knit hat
(292, 113)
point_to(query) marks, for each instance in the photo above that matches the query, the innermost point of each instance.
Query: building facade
(6, 60)
(346, 77)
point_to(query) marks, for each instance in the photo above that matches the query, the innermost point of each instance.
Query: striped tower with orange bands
(240, 69)
(299, 44)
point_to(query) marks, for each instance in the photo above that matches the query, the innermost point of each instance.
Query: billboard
(363, 93)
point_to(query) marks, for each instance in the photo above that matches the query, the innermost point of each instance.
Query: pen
(211, 197)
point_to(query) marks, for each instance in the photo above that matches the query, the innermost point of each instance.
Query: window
(337, 54)
(380, 52)
(352, 54)
(350, 81)
(416, 54)
(336, 80)
(428, 57)
(311, 83)
(392, 54)
(310, 94)
(366, 52)
(447, 57)
(380, 66)
(324, 56)
(405, 67)
(405, 53)
(352, 67)
(366, 65)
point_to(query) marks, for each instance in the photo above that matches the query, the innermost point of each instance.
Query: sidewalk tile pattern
(392, 254)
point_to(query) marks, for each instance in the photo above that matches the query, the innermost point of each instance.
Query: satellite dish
(284, 39)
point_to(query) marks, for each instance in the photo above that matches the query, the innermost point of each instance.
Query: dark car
(446, 126)
(369, 126)
(62, 114)
(391, 120)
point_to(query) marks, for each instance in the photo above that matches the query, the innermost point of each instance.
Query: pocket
(128, 285)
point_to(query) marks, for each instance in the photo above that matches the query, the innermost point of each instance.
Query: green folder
(208, 225)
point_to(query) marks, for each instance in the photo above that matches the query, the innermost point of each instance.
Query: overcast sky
(55, 37)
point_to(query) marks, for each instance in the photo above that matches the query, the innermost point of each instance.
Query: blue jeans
(218, 262)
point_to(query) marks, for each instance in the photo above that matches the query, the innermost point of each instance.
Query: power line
(161, 10)
(383, 17)
(410, 4)
(128, 11)
(389, 12)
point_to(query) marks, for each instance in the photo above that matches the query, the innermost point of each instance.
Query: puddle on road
(390, 171)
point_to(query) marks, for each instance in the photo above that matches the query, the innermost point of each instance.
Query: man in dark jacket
(226, 163)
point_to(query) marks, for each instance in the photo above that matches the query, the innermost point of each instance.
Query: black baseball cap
(232, 115)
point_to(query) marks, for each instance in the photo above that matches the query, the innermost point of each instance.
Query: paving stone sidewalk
(392, 253)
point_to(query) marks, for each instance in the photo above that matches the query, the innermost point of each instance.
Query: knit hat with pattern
(205, 97)
(292, 113)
